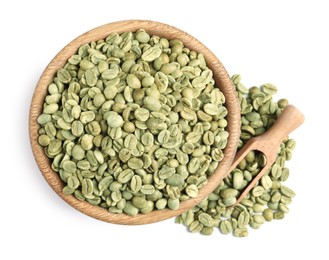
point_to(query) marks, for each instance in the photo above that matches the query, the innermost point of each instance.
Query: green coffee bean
(139, 202)
(148, 208)
(135, 163)
(192, 190)
(87, 188)
(43, 119)
(276, 171)
(152, 103)
(240, 232)
(225, 227)
(69, 166)
(208, 138)
(142, 114)
(243, 219)
(173, 203)
(114, 119)
(78, 153)
(152, 53)
(228, 193)
(269, 89)
(237, 180)
(115, 186)
(73, 182)
(207, 231)
(211, 109)
(287, 192)
(64, 76)
(166, 172)
(257, 191)
(87, 116)
(193, 165)
(130, 210)
(44, 140)
(51, 108)
(133, 81)
(161, 204)
(83, 165)
(147, 189)
(283, 208)
(195, 226)
(266, 182)
(104, 183)
(124, 155)
(285, 200)
(135, 183)
(125, 176)
(175, 180)
(206, 220)
(67, 190)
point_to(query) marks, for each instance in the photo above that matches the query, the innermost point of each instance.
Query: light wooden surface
(269, 142)
(154, 28)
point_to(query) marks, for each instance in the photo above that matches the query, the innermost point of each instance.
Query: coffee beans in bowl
(133, 123)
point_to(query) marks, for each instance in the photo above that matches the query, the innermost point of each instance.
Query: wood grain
(154, 28)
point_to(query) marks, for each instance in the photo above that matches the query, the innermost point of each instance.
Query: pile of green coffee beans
(133, 123)
(269, 199)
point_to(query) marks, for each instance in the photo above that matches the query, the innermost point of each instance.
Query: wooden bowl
(153, 28)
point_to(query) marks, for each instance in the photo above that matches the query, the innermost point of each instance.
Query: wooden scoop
(267, 143)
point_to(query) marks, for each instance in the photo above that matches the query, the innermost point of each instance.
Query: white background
(282, 42)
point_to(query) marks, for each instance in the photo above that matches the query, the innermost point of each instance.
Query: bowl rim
(222, 80)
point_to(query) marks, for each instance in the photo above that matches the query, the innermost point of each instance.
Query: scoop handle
(288, 121)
